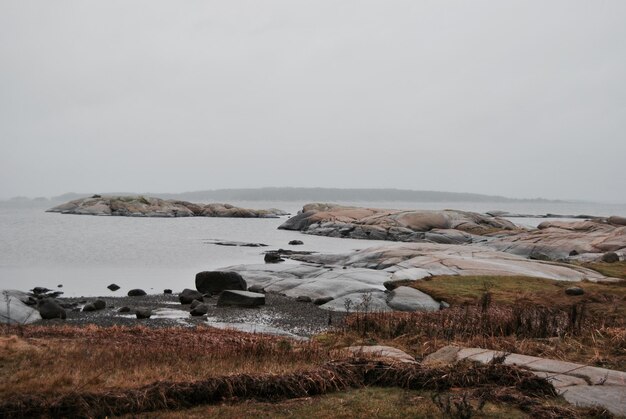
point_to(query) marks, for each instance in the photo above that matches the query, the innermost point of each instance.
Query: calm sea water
(86, 253)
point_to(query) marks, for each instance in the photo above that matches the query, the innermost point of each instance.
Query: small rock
(51, 309)
(143, 313)
(296, 242)
(113, 287)
(303, 299)
(199, 310)
(573, 253)
(195, 303)
(443, 304)
(257, 288)
(273, 257)
(100, 304)
(322, 300)
(188, 296)
(136, 293)
(610, 257)
(167, 291)
(124, 310)
(89, 307)
(60, 286)
(574, 291)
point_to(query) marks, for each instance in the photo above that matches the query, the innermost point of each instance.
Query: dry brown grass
(52, 359)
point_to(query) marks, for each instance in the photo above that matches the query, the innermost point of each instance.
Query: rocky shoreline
(141, 206)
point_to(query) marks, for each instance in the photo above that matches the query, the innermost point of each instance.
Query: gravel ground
(279, 315)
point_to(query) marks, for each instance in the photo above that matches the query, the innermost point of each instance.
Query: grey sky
(516, 98)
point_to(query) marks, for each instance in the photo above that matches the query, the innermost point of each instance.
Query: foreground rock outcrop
(140, 206)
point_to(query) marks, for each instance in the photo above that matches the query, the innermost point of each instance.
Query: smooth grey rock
(241, 298)
(187, 296)
(51, 309)
(143, 313)
(199, 310)
(410, 299)
(214, 282)
(136, 293)
(611, 398)
(113, 287)
(379, 351)
(574, 291)
(14, 311)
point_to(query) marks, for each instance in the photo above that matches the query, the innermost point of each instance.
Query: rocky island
(141, 206)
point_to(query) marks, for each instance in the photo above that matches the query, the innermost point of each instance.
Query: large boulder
(187, 296)
(14, 311)
(136, 293)
(241, 299)
(214, 282)
(51, 309)
(410, 299)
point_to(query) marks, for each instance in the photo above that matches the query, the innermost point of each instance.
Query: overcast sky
(515, 98)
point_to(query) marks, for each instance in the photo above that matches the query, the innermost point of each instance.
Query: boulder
(574, 291)
(14, 311)
(410, 299)
(194, 304)
(89, 307)
(113, 287)
(273, 257)
(322, 300)
(136, 293)
(620, 221)
(143, 313)
(188, 296)
(384, 352)
(303, 299)
(241, 298)
(100, 304)
(124, 310)
(214, 282)
(610, 257)
(51, 309)
(167, 291)
(200, 310)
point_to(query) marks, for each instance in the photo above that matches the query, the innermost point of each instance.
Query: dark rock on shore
(303, 299)
(199, 310)
(143, 313)
(167, 291)
(610, 257)
(136, 293)
(235, 243)
(124, 309)
(113, 287)
(273, 257)
(574, 291)
(51, 309)
(257, 288)
(89, 307)
(322, 300)
(213, 282)
(296, 242)
(241, 299)
(187, 296)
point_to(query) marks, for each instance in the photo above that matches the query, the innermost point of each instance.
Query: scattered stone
(143, 313)
(241, 298)
(195, 303)
(214, 282)
(136, 293)
(296, 242)
(574, 291)
(89, 307)
(322, 300)
(303, 299)
(410, 299)
(113, 287)
(188, 296)
(167, 291)
(610, 257)
(100, 304)
(51, 309)
(124, 310)
(60, 286)
(273, 257)
(199, 310)
(256, 288)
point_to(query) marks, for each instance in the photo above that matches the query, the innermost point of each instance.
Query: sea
(81, 255)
